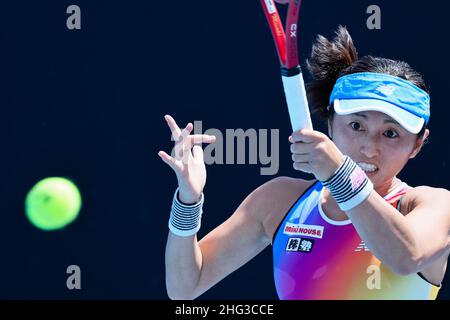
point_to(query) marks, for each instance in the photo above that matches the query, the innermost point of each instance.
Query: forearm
(387, 233)
(183, 266)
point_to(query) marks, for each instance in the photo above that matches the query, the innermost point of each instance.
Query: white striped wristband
(349, 185)
(185, 220)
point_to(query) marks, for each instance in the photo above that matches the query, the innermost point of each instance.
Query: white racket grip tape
(294, 90)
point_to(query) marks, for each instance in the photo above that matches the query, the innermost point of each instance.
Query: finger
(185, 132)
(172, 162)
(176, 131)
(305, 136)
(181, 149)
(302, 158)
(195, 139)
(201, 138)
(304, 167)
(182, 144)
(302, 148)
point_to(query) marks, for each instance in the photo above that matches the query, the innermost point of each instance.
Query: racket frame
(286, 42)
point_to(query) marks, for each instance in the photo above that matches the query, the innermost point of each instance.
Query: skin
(417, 240)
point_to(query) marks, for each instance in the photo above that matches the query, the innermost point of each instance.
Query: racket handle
(294, 90)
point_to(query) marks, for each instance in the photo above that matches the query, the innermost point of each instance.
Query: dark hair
(333, 59)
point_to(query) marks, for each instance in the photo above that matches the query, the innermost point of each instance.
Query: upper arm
(429, 217)
(240, 238)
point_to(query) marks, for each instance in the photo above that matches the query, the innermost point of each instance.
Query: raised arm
(192, 267)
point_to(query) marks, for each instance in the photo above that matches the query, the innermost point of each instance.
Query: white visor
(406, 119)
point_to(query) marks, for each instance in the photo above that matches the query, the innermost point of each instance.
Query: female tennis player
(354, 232)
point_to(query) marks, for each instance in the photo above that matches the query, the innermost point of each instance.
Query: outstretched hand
(187, 160)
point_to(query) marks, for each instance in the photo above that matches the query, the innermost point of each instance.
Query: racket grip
(294, 90)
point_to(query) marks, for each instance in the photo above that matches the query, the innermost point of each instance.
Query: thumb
(171, 161)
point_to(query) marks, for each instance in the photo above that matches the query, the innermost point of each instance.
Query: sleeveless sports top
(318, 258)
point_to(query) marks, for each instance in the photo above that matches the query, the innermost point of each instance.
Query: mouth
(368, 168)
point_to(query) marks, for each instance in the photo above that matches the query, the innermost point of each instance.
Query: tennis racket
(291, 74)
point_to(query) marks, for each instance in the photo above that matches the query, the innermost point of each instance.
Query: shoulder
(271, 197)
(283, 184)
(426, 193)
(425, 196)
(274, 198)
(281, 188)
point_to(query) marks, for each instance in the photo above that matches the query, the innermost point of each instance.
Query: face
(376, 142)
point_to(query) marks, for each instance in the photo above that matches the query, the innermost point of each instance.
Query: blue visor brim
(366, 91)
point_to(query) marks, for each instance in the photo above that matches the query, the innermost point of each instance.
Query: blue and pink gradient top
(318, 258)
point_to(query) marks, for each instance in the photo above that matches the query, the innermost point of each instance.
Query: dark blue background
(89, 105)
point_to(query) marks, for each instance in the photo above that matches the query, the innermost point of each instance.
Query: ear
(330, 129)
(420, 141)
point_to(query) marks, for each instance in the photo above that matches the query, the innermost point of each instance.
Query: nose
(370, 147)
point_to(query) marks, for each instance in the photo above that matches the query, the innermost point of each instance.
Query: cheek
(401, 148)
(343, 138)
(396, 155)
(346, 146)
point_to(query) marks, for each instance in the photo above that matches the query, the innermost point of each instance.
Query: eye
(355, 126)
(391, 134)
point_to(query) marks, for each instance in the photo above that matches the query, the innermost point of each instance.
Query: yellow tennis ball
(53, 203)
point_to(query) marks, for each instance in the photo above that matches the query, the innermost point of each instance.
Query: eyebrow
(385, 120)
